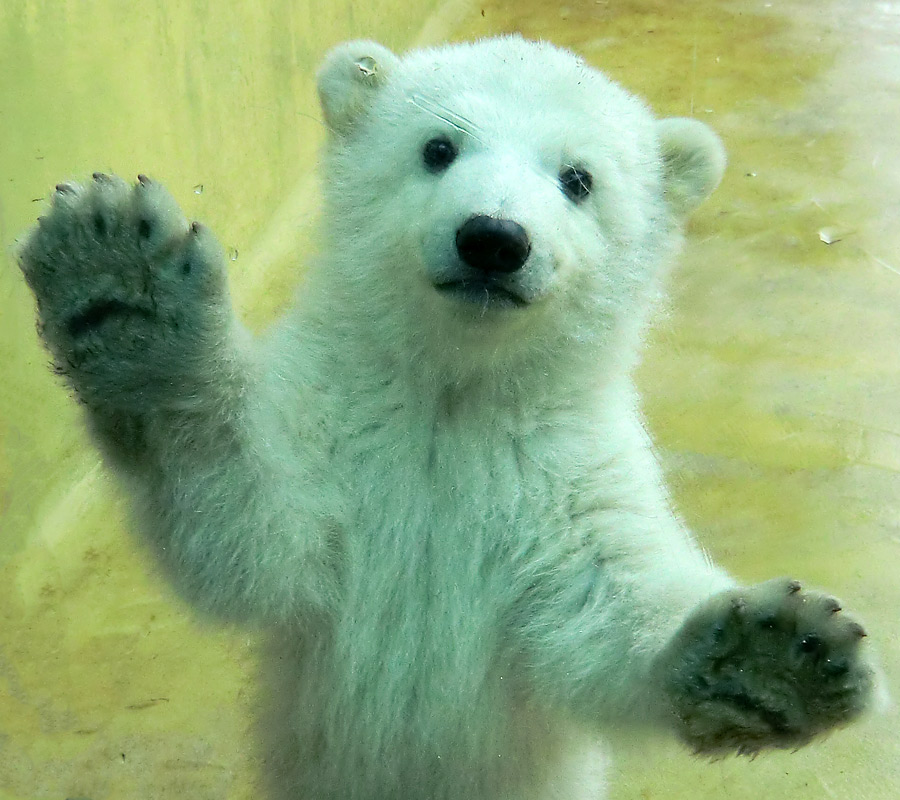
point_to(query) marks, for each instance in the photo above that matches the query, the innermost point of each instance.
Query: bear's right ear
(693, 163)
(348, 79)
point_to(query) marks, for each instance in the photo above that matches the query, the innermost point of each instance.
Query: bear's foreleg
(670, 642)
(133, 305)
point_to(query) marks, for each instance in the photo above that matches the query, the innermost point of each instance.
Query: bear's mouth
(485, 293)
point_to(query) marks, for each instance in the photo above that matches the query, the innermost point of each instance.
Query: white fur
(447, 514)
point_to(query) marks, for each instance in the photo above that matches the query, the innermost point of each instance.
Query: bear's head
(500, 197)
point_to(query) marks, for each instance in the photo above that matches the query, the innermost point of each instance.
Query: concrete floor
(772, 380)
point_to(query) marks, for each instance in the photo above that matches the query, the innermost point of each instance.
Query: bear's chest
(467, 481)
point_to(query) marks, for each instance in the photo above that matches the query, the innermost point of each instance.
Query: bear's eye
(438, 154)
(575, 182)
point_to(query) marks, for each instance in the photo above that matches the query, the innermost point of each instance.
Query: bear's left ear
(693, 163)
(348, 79)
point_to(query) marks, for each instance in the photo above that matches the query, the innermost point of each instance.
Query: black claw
(65, 188)
(859, 630)
(794, 587)
(195, 227)
(100, 176)
(143, 180)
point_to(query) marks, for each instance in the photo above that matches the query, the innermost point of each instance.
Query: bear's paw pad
(116, 269)
(766, 666)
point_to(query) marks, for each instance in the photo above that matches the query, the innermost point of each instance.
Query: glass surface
(771, 378)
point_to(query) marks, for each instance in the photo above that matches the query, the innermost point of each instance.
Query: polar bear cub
(430, 482)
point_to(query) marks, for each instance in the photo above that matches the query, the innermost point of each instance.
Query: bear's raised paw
(127, 290)
(766, 666)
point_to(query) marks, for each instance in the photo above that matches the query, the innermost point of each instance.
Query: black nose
(492, 245)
